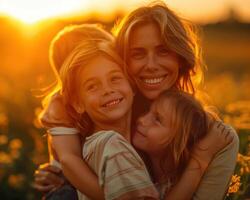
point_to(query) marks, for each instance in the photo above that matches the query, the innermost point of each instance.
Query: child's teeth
(113, 103)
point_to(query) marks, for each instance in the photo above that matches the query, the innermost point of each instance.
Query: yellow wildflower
(3, 119)
(16, 181)
(5, 158)
(234, 184)
(15, 144)
(3, 139)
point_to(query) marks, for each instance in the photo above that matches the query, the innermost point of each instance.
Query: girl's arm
(203, 154)
(68, 149)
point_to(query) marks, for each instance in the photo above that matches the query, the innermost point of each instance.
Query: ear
(79, 108)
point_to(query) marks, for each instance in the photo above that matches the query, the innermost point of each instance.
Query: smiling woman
(30, 11)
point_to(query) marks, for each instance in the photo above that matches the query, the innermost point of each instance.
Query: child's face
(153, 67)
(153, 131)
(106, 94)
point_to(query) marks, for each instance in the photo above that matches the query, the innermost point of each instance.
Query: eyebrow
(94, 78)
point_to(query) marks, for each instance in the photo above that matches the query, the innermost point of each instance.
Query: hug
(125, 120)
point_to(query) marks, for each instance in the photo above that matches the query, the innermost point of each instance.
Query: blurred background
(27, 27)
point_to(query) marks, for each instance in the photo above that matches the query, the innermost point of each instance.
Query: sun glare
(31, 11)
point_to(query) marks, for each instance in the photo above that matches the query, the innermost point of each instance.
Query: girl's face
(153, 131)
(106, 94)
(153, 67)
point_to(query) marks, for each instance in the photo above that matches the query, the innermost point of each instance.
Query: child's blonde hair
(178, 35)
(70, 73)
(61, 47)
(189, 123)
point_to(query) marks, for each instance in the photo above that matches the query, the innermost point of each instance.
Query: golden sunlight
(30, 11)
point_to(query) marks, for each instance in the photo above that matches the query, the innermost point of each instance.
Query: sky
(202, 11)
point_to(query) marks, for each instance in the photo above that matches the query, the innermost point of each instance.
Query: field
(24, 70)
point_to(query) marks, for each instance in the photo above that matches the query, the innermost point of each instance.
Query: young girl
(175, 123)
(162, 52)
(98, 97)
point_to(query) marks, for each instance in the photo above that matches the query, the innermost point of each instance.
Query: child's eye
(137, 54)
(116, 78)
(91, 87)
(158, 119)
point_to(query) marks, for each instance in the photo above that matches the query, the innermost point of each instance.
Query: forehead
(99, 66)
(162, 106)
(145, 34)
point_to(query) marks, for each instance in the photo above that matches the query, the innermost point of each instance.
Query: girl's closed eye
(158, 119)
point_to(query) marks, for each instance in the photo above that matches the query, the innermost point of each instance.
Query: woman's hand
(217, 138)
(55, 114)
(47, 178)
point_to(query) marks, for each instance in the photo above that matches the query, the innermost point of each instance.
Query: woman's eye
(163, 51)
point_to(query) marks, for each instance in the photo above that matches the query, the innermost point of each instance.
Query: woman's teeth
(112, 103)
(153, 80)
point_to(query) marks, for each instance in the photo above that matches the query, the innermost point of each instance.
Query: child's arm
(203, 153)
(66, 144)
(68, 149)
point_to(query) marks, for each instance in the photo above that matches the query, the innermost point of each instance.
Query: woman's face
(106, 94)
(153, 67)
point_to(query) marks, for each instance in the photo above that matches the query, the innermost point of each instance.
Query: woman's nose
(151, 64)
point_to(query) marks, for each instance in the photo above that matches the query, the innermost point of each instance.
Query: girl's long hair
(189, 123)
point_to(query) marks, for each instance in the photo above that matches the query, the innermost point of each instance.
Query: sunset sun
(31, 11)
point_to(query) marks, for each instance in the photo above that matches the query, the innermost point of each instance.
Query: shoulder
(113, 144)
(62, 131)
(222, 126)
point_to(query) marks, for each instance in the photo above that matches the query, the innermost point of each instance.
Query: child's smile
(106, 94)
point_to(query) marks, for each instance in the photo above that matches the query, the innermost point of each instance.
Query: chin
(151, 95)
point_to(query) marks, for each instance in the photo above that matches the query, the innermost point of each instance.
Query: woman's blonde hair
(189, 123)
(69, 37)
(178, 34)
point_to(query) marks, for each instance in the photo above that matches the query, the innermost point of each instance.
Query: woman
(162, 52)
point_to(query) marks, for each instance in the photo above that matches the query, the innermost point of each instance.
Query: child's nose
(107, 89)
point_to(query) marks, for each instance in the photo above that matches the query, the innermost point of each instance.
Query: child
(98, 97)
(168, 133)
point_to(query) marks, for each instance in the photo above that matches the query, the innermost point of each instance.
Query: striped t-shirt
(120, 170)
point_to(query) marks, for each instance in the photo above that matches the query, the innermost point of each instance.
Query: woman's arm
(47, 178)
(217, 177)
(203, 153)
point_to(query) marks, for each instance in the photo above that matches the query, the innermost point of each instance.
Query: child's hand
(56, 114)
(217, 138)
